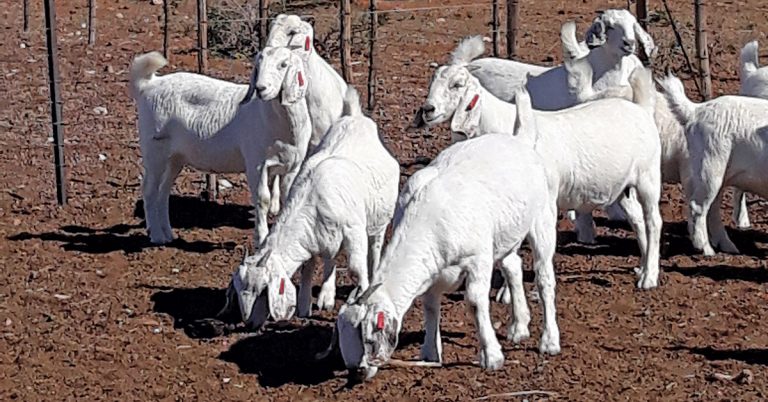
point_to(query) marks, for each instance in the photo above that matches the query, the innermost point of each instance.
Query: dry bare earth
(88, 310)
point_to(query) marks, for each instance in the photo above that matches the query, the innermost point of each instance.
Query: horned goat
(472, 206)
(592, 168)
(726, 141)
(344, 197)
(187, 119)
(610, 44)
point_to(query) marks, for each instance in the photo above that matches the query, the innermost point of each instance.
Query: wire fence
(398, 57)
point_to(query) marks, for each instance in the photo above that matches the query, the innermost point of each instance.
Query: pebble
(119, 15)
(102, 157)
(100, 110)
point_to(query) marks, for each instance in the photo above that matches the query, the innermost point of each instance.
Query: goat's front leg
(304, 308)
(258, 181)
(326, 300)
(356, 243)
(432, 349)
(478, 288)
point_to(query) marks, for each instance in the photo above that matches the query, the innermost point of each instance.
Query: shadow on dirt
(194, 310)
(286, 355)
(195, 213)
(121, 237)
(749, 356)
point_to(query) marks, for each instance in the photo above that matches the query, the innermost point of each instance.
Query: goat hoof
(518, 333)
(491, 358)
(550, 343)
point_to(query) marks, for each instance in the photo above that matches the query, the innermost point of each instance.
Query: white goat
(472, 206)
(198, 121)
(674, 149)
(594, 151)
(611, 41)
(326, 88)
(344, 197)
(754, 82)
(727, 142)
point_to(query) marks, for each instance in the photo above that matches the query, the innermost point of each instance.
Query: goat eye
(283, 65)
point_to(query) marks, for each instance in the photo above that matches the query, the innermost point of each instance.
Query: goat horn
(368, 292)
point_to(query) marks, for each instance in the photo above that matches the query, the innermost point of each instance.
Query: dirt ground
(90, 311)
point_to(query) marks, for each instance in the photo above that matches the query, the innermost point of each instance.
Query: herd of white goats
(593, 132)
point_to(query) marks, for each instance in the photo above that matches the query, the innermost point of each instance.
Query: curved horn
(252, 84)
(368, 292)
(334, 339)
(264, 259)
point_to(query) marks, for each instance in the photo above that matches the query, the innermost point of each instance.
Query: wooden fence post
(496, 35)
(25, 6)
(263, 22)
(165, 28)
(91, 18)
(345, 20)
(374, 36)
(702, 53)
(512, 13)
(53, 81)
(211, 189)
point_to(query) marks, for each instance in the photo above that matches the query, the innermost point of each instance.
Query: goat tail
(352, 102)
(749, 60)
(468, 49)
(525, 123)
(643, 91)
(681, 106)
(144, 67)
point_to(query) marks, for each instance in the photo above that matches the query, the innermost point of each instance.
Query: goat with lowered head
(187, 119)
(473, 205)
(594, 151)
(344, 197)
(727, 146)
(611, 41)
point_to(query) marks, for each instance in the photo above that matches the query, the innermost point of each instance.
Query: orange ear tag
(473, 103)
(380, 321)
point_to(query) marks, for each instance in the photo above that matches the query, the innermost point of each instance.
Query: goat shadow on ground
(286, 355)
(121, 237)
(749, 356)
(195, 310)
(194, 213)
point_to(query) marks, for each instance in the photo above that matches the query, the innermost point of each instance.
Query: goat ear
(472, 68)
(466, 118)
(385, 336)
(252, 83)
(282, 297)
(647, 42)
(294, 84)
(595, 36)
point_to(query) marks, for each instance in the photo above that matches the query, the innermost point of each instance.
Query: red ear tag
(301, 79)
(473, 102)
(282, 286)
(380, 321)
(306, 44)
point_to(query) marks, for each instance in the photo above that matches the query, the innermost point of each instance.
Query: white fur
(594, 151)
(472, 206)
(344, 197)
(611, 41)
(727, 144)
(192, 120)
(754, 82)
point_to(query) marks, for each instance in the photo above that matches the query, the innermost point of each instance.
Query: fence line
(53, 81)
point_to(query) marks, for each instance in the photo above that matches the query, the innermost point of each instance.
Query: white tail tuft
(144, 67)
(749, 59)
(352, 102)
(571, 48)
(468, 49)
(525, 124)
(674, 91)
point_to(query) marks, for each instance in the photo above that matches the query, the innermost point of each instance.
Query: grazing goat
(211, 125)
(726, 142)
(472, 206)
(344, 197)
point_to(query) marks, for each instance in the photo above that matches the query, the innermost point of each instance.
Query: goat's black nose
(428, 108)
(629, 42)
(261, 88)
